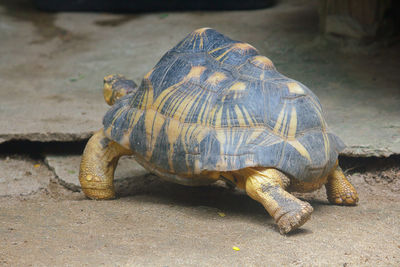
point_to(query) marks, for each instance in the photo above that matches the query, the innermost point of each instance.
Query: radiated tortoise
(214, 108)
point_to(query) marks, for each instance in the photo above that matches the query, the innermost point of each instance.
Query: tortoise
(215, 109)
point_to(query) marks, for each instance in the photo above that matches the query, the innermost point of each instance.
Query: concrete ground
(54, 65)
(51, 69)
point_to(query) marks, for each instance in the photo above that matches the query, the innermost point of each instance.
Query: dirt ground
(157, 223)
(52, 67)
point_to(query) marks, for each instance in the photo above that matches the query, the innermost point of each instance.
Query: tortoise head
(117, 86)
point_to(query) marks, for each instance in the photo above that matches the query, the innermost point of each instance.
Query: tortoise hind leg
(339, 190)
(267, 187)
(98, 164)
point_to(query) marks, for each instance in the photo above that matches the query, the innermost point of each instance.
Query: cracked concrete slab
(128, 175)
(21, 177)
(52, 68)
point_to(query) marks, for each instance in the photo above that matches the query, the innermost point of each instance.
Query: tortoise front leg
(267, 187)
(98, 164)
(339, 190)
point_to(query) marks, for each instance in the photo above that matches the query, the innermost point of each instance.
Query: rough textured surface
(164, 224)
(128, 174)
(22, 177)
(53, 64)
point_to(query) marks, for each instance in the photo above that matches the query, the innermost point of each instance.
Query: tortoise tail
(117, 86)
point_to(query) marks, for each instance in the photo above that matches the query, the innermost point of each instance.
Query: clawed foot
(294, 219)
(346, 197)
(339, 190)
(99, 194)
(94, 188)
(99, 159)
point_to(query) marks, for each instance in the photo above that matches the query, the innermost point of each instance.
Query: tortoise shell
(215, 104)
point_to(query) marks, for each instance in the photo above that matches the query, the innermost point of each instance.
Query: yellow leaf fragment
(236, 248)
(221, 214)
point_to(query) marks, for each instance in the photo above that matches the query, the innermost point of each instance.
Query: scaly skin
(267, 187)
(117, 86)
(98, 163)
(339, 190)
(101, 154)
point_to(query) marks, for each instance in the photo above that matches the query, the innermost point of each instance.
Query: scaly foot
(267, 187)
(292, 220)
(339, 190)
(98, 164)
